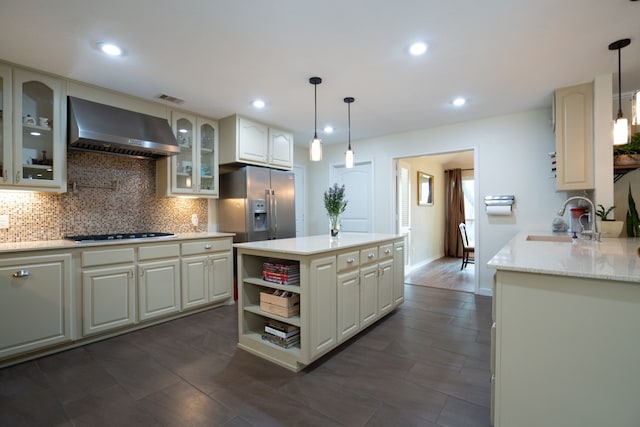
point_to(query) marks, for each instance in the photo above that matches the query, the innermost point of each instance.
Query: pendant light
(315, 150)
(348, 156)
(621, 125)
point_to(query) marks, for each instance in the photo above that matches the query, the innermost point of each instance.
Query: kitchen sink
(549, 238)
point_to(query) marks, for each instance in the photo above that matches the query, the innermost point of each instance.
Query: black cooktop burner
(117, 236)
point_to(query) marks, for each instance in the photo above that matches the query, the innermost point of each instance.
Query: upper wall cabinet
(33, 132)
(246, 141)
(574, 138)
(194, 171)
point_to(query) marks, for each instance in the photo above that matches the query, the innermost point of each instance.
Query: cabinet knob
(208, 246)
(371, 255)
(387, 251)
(21, 273)
(351, 260)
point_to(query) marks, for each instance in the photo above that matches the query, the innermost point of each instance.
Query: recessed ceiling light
(35, 134)
(110, 49)
(459, 102)
(328, 129)
(258, 103)
(183, 130)
(418, 48)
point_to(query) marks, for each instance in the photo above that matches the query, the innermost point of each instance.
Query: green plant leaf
(633, 221)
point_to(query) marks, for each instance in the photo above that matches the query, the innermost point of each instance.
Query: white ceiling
(218, 55)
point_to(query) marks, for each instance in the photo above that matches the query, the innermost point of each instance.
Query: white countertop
(311, 245)
(610, 259)
(68, 244)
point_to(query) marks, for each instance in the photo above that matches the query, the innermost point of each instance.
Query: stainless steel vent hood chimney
(102, 128)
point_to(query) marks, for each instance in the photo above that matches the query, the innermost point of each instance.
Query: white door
(358, 182)
(403, 206)
(300, 202)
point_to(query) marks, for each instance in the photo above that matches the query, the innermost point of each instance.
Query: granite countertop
(609, 259)
(68, 244)
(312, 245)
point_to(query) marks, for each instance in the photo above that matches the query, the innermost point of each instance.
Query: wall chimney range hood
(105, 129)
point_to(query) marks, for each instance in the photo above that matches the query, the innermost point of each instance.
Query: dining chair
(468, 250)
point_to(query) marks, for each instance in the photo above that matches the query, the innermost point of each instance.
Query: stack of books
(281, 334)
(281, 272)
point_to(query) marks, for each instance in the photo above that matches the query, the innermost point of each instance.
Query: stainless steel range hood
(102, 128)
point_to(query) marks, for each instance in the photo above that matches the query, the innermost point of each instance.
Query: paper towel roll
(499, 210)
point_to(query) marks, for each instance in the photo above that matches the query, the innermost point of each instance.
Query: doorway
(423, 224)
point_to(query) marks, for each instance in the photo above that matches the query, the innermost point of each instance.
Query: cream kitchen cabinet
(341, 289)
(573, 108)
(108, 289)
(249, 142)
(194, 171)
(158, 280)
(323, 313)
(33, 131)
(35, 302)
(207, 272)
(398, 272)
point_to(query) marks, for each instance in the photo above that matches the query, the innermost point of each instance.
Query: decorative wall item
(425, 189)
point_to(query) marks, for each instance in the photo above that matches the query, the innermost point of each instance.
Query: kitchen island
(566, 332)
(330, 290)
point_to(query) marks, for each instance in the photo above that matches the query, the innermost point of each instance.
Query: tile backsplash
(111, 194)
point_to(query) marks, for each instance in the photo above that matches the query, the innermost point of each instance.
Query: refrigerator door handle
(271, 214)
(274, 215)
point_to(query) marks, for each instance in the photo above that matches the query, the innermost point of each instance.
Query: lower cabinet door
(194, 281)
(323, 308)
(108, 299)
(348, 305)
(158, 288)
(385, 287)
(368, 295)
(220, 277)
(35, 303)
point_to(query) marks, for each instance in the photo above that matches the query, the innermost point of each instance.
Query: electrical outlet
(4, 221)
(194, 220)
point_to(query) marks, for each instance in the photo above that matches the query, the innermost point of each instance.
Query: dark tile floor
(426, 364)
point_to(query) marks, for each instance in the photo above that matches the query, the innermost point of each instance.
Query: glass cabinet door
(207, 160)
(183, 162)
(6, 170)
(38, 149)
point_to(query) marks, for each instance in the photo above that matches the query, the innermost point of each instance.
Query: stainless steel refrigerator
(257, 203)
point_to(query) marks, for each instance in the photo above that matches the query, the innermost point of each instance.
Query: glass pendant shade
(348, 158)
(620, 131)
(315, 150)
(635, 109)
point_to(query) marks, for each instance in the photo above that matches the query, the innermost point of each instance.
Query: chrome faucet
(595, 235)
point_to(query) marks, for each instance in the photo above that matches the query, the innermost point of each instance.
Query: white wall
(511, 158)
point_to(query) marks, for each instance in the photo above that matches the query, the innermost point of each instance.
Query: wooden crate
(285, 306)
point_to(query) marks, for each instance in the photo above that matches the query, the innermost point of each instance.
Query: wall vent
(170, 98)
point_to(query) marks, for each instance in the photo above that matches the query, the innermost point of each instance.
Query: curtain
(454, 212)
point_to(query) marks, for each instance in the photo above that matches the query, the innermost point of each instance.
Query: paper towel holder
(499, 200)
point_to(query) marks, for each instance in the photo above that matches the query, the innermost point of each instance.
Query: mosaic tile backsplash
(113, 194)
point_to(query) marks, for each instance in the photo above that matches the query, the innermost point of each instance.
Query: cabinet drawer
(368, 255)
(158, 251)
(107, 256)
(348, 260)
(205, 246)
(385, 251)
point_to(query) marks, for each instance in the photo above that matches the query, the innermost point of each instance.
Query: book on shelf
(280, 326)
(284, 267)
(282, 342)
(281, 334)
(281, 278)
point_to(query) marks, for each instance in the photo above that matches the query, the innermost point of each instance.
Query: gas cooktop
(117, 236)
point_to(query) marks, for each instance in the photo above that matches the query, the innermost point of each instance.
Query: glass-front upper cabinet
(183, 181)
(195, 168)
(208, 157)
(6, 167)
(39, 149)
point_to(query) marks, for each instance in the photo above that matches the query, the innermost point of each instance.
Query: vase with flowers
(335, 204)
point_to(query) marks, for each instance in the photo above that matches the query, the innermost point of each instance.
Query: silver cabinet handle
(351, 260)
(141, 271)
(18, 176)
(21, 273)
(387, 251)
(208, 246)
(371, 255)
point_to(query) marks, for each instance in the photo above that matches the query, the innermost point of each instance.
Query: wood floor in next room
(426, 364)
(444, 273)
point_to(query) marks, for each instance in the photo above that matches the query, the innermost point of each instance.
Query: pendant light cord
(619, 85)
(349, 114)
(315, 111)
